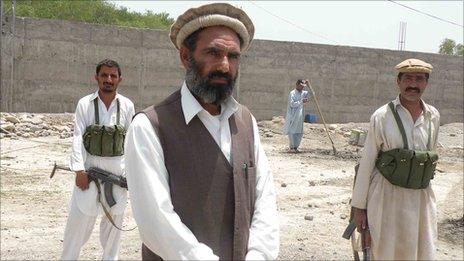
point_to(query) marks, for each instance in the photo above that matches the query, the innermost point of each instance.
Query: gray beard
(201, 87)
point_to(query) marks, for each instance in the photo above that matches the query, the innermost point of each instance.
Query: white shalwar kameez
(402, 221)
(84, 206)
(294, 119)
(160, 227)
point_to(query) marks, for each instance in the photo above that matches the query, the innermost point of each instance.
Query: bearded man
(198, 177)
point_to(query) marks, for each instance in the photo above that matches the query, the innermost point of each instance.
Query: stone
(310, 205)
(309, 217)
(343, 216)
(37, 120)
(26, 135)
(283, 185)
(452, 134)
(332, 126)
(269, 134)
(10, 127)
(35, 128)
(312, 183)
(62, 128)
(12, 119)
(277, 119)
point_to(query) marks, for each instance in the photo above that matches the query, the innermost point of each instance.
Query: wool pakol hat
(414, 65)
(217, 14)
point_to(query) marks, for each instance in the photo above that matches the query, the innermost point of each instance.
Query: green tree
(447, 46)
(90, 11)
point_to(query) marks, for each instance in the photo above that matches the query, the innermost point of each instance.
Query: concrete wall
(54, 64)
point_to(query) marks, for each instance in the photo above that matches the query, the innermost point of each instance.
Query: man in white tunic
(400, 222)
(84, 206)
(199, 180)
(294, 119)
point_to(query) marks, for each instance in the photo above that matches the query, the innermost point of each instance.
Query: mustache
(413, 89)
(219, 74)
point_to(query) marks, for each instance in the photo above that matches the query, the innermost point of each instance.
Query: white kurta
(402, 221)
(295, 112)
(81, 160)
(160, 228)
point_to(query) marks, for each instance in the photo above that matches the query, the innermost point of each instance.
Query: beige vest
(214, 199)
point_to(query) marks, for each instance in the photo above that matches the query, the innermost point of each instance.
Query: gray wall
(54, 64)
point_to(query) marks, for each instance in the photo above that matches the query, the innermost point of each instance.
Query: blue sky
(372, 24)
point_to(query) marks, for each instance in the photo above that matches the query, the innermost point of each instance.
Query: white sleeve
(78, 154)
(130, 114)
(263, 243)
(367, 164)
(160, 228)
(294, 102)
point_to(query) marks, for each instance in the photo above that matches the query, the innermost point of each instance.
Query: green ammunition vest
(404, 167)
(104, 141)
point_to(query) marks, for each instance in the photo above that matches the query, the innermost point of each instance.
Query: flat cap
(217, 14)
(413, 65)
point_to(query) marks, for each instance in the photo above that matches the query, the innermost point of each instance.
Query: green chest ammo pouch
(104, 141)
(407, 168)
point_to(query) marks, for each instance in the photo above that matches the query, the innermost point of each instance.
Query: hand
(82, 180)
(367, 239)
(360, 219)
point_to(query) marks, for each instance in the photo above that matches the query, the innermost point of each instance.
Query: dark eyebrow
(212, 49)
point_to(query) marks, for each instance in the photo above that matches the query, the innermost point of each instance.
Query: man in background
(294, 119)
(102, 110)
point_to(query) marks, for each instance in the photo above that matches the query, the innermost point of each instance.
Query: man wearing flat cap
(294, 118)
(198, 177)
(393, 201)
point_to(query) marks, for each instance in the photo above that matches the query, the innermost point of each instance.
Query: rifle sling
(402, 131)
(107, 213)
(97, 118)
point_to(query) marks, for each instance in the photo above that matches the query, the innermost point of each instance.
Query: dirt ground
(313, 183)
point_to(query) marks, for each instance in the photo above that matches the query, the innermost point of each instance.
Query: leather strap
(95, 105)
(400, 125)
(118, 112)
(107, 213)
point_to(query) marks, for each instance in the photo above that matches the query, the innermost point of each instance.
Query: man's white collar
(191, 107)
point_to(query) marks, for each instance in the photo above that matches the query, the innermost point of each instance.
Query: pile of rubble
(355, 133)
(29, 125)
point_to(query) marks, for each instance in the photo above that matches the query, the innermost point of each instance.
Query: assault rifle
(350, 232)
(107, 178)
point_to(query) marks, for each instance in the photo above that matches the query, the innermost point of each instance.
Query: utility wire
(291, 23)
(424, 13)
